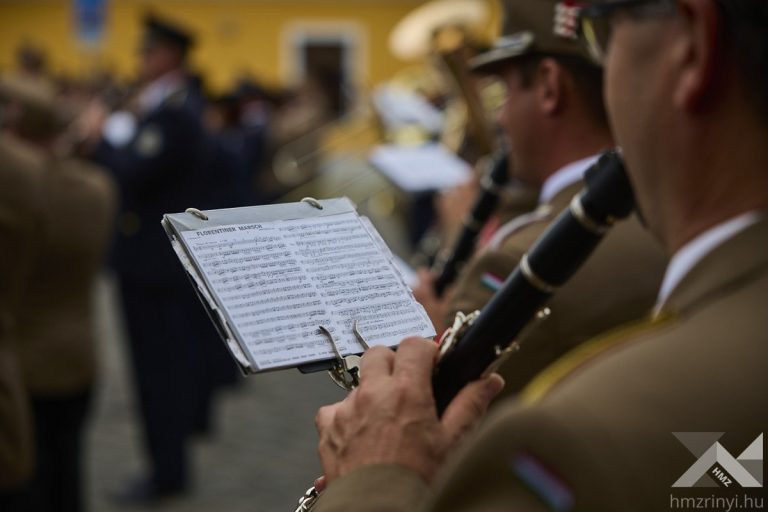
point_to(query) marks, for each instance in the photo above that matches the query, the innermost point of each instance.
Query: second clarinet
(491, 185)
(477, 341)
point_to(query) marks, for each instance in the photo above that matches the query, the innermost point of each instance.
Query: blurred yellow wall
(235, 36)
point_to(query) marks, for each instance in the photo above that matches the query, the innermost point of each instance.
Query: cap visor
(490, 61)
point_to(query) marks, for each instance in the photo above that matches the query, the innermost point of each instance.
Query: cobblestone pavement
(261, 457)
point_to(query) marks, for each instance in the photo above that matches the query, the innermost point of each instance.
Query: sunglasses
(596, 21)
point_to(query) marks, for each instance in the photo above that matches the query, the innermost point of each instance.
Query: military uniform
(617, 284)
(163, 169)
(169, 165)
(515, 200)
(620, 281)
(595, 431)
(56, 344)
(72, 206)
(55, 326)
(20, 223)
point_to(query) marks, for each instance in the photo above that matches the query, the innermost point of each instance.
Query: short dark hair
(745, 24)
(587, 77)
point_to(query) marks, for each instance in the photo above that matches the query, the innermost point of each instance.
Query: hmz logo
(716, 467)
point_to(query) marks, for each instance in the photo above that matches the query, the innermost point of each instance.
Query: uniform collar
(565, 177)
(692, 252)
(557, 193)
(716, 258)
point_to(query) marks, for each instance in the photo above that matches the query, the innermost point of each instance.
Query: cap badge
(566, 19)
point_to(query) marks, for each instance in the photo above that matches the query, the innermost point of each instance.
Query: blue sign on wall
(90, 18)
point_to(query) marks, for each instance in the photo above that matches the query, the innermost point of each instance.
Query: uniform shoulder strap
(551, 376)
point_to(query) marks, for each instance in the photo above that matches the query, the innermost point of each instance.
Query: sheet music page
(357, 280)
(279, 281)
(265, 293)
(420, 168)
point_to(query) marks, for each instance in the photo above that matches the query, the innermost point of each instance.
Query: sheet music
(279, 281)
(420, 168)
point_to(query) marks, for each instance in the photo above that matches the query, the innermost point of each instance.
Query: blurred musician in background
(555, 124)
(54, 325)
(164, 162)
(21, 219)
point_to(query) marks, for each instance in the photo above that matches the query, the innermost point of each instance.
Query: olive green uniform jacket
(595, 431)
(21, 171)
(616, 285)
(55, 326)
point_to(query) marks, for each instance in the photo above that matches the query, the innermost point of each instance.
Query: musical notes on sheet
(279, 281)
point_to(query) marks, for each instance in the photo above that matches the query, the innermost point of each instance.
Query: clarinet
(496, 177)
(481, 341)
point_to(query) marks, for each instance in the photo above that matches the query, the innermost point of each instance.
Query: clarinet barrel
(481, 211)
(553, 259)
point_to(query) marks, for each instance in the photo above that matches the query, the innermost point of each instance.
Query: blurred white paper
(399, 107)
(420, 168)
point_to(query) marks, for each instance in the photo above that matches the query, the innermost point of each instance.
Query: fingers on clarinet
(378, 361)
(415, 359)
(320, 483)
(470, 404)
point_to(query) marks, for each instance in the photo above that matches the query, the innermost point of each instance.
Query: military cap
(534, 27)
(162, 31)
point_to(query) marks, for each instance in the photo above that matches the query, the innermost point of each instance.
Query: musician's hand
(391, 417)
(436, 307)
(89, 125)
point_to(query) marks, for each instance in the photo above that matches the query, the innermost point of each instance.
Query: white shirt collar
(565, 177)
(694, 251)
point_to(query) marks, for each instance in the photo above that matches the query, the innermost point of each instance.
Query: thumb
(470, 404)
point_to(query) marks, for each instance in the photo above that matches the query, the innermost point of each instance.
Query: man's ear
(550, 86)
(699, 52)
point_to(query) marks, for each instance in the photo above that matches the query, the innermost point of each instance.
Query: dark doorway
(325, 63)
